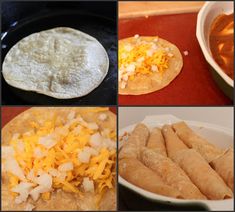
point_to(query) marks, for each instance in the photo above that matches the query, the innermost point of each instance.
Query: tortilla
(60, 199)
(172, 174)
(196, 167)
(136, 140)
(138, 174)
(61, 62)
(223, 165)
(147, 83)
(194, 141)
(156, 141)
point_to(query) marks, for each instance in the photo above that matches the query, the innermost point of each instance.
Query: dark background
(98, 19)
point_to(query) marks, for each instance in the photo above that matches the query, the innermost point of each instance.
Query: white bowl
(217, 135)
(206, 16)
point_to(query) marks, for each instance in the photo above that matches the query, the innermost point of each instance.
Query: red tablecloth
(194, 85)
(8, 113)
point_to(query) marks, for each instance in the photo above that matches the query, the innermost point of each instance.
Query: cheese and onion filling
(72, 155)
(142, 58)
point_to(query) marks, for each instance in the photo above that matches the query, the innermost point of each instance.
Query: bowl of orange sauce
(215, 34)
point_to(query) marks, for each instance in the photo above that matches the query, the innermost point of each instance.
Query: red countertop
(194, 85)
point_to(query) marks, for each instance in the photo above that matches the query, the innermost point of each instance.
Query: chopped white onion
(53, 172)
(92, 126)
(88, 185)
(91, 150)
(11, 165)
(47, 141)
(66, 167)
(23, 190)
(84, 156)
(95, 140)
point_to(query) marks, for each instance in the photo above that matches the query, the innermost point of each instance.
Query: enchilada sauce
(222, 42)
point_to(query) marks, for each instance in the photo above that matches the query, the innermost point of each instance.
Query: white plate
(217, 135)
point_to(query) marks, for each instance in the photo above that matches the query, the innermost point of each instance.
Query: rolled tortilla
(192, 140)
(196, 167)
(173, 143)
(172, 174)
(156, 141)
(202, 175)
(224, 166)
(138, 174)
(137, 139)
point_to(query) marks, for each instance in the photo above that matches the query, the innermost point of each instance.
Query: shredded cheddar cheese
(52, 151)
(141, 58)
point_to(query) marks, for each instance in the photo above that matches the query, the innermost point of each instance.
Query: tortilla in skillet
(66, 157)
(147, 64)
(61, 62)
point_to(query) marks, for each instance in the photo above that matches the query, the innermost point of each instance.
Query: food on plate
(192, 140)
(223, 165)
(221, 39)
(137, 173)
(163, 158)
(156, 141)
(59, 159)
(61, 62)
(171, 173)
(146, 64)
(196, 167)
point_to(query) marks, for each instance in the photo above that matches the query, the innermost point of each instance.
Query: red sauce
(222, 42)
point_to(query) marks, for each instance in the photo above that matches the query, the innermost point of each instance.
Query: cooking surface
(103, 28)
(194, 85)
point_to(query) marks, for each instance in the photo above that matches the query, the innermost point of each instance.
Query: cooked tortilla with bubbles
(62, 63)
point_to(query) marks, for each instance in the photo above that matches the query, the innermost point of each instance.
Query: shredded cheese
(55, 150)
(142, 58)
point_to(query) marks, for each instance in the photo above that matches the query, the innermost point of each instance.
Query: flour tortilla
(146, 84)
(208, 151)
(172, 174)
(138, 174)
(60, 200)
(62, 63)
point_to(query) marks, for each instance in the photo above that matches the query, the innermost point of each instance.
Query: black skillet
(97, 22)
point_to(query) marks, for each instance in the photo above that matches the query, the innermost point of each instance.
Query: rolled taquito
(224, 166)
(196, 167)
(156, 141)
(138, 174)
(200, 144)
(172, 174)
(135, 141)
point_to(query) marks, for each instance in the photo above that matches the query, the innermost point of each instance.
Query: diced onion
(95, 140)
(66, 167)
(88, 185)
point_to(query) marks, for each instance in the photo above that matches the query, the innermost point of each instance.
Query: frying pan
(94, 18)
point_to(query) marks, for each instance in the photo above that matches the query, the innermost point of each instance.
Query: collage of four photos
(117, 105)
